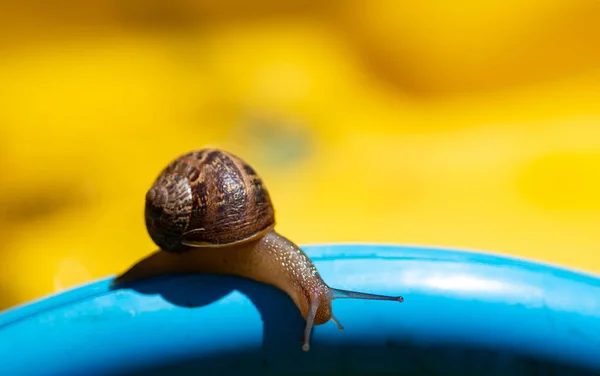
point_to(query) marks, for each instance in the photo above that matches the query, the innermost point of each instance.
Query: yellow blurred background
(464, 124)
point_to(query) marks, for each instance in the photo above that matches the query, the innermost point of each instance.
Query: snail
(208, 211)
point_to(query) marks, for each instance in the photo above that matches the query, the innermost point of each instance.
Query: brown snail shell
(207, 198)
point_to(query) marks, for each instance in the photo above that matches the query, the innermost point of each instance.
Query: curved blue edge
(464, 313)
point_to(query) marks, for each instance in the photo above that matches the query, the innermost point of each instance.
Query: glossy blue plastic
(464, 313)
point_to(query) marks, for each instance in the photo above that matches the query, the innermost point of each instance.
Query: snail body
(209, 212)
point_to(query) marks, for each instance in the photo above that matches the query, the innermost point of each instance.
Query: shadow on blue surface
(282, 323)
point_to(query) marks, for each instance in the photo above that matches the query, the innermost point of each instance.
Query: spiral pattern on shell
(205, 198)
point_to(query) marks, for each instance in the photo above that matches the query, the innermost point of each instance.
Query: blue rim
(463, 310)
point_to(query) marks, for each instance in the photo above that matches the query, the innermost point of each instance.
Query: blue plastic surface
(464, 313)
